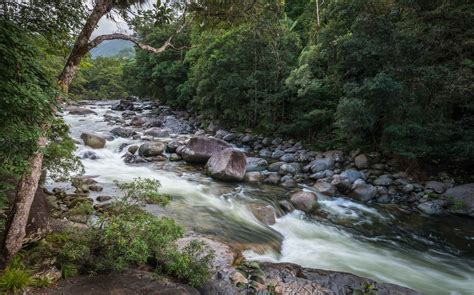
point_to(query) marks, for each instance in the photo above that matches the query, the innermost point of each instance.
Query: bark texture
(24, 198)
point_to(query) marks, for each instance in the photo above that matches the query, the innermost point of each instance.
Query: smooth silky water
(385, 243)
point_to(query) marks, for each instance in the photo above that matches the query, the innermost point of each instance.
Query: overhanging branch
(118, 36)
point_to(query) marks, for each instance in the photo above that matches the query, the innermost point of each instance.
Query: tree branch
(118, 36)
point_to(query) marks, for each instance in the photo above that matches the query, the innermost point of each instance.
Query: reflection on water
(434, 256)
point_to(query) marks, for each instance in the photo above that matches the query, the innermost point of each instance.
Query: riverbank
(389, 242)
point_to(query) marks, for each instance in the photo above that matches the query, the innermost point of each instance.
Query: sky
(108, 26)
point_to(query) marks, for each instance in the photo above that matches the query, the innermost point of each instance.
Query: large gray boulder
(462, 197)
(199, 149)
(93, 140)
(151, 149)
(304, 201)
(256, 164)
(228, 164)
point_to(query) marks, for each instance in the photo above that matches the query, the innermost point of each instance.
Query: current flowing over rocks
(339, 223)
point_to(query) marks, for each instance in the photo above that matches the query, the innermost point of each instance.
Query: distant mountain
(113, 48)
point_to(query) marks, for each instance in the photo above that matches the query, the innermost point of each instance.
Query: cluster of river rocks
(232, 156)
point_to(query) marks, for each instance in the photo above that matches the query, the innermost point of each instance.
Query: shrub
(16, 278)
(189, 265)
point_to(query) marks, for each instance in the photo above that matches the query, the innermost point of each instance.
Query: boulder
(352, 175)
(80, 111)
(154, 123)
(151, 149)
(289, 183)
(128, 114)
(434, 207)
(278, 154)
(408, 188)
(288, 158)
(133, 149)
(265, 153)
(93, 140)
(363, 192)
(304, 201)
(325, 188)
(89, 155)
(272, 178)
(319, 165)
(253, 177)
(275, 167)
(436, 186)
(361, 161)
(335, 155)
(199, 149)
(123, 132)
(384, 180)
(228, 164)
(289, 168)
(229, 137)
(123, 105)
(172, 146)
(463, 199)
(264, 214)
(156, 132)
(286, 206)
(137, 121)
(256, 164)
(342, 184)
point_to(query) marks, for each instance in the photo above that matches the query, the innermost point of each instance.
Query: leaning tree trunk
(29, 181)
(26, 190)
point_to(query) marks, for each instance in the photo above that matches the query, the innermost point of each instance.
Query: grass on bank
(123, 236)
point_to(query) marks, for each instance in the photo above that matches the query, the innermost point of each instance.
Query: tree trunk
(81, 47)
(29, 181)
(26, 190)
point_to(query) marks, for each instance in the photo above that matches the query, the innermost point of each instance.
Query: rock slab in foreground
(288, 278)
(199, 149)
(227, 164)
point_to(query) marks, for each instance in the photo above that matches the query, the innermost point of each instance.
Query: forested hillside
(387, 75)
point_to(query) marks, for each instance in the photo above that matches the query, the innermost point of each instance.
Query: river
(385, 243)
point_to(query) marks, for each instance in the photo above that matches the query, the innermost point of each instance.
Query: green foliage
(126, 236)
(251, 270)
(99, 78)
(28, 98)
(142, 190)
(366, 289)
(118, 242)
(16, 278)
(190, 265)
(372, 75)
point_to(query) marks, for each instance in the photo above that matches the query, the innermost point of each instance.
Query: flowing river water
(385, 243)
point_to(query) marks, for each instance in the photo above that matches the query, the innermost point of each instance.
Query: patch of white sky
(114, 23)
